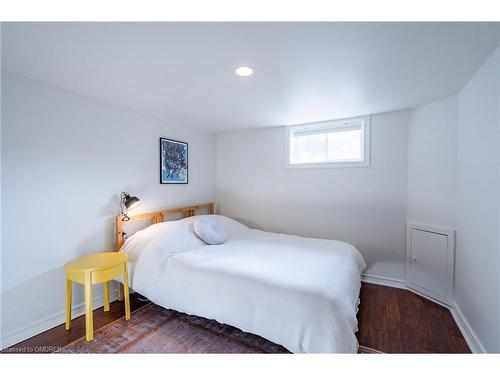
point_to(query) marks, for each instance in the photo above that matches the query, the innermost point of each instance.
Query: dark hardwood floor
(57, 337)
(390, 320)
(394, 320)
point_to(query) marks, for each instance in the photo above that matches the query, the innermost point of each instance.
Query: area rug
(153, 329)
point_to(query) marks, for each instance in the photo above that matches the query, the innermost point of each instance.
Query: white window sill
(347, 164)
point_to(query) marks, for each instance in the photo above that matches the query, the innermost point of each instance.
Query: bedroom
(263, 187)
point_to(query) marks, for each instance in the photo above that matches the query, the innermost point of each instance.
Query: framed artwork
(173, 161)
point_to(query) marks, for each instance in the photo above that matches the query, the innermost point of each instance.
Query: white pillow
(208, 231)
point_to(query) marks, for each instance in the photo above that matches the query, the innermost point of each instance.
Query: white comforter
(298, 292)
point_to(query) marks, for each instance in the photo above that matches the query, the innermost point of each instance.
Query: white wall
(453, 180)
(65, 160)
(365, 206)
(477, 279)
(0, 184)
(432, 163)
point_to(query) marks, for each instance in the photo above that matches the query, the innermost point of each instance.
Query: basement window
(342, 143)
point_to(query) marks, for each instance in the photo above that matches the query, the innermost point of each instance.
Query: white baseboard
(470, 336)
(432, 299)
(52, 321)
(382, 280)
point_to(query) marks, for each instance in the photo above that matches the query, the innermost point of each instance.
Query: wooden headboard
(158, 217)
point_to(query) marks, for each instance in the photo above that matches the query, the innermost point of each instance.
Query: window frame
(336, 125)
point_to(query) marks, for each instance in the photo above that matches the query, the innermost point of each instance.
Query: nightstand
(94, 269)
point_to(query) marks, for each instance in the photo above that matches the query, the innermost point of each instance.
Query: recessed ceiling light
(244, 71)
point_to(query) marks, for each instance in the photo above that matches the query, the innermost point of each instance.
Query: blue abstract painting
(173, 162)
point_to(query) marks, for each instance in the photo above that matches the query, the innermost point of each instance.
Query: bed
(301, 293)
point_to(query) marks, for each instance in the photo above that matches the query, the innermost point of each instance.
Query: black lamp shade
(131, 201)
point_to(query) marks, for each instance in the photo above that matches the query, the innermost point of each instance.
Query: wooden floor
(56, 338)
(390, 320)
(394, 320)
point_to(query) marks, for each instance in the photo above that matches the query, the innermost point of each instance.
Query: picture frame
(174, 165)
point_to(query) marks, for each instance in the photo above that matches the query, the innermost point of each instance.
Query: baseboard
(432, 299)
(382, 280)
(470, 336)
(52, 321)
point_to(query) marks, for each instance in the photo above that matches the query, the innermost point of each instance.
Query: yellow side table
(94, 269)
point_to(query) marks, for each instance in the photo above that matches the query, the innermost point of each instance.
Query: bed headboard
(158, 217)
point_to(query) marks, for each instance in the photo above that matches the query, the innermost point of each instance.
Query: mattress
(301, 293)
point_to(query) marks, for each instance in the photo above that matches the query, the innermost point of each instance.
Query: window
(343, 143)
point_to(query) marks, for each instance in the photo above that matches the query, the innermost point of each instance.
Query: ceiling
(183, 73)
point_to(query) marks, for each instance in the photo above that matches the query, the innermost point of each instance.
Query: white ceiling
(183, 73)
